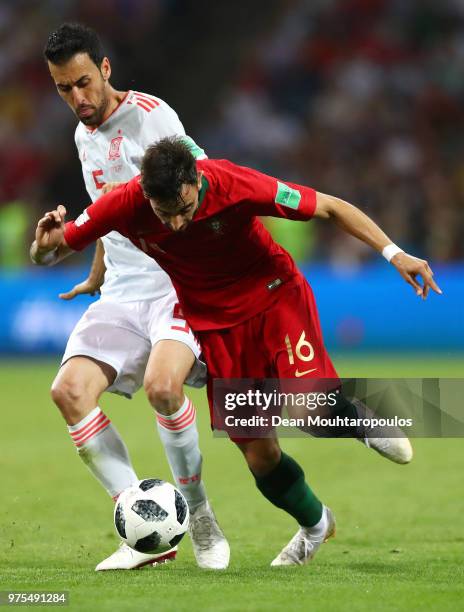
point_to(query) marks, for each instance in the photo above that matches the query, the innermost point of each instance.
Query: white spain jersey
(113, 152)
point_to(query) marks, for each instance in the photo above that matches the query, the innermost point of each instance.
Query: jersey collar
(203, 190)
(124, 99)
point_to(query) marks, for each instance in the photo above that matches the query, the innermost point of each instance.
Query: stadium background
(362, 99)
(358, 98)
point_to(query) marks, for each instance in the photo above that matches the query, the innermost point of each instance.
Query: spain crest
(115, 145)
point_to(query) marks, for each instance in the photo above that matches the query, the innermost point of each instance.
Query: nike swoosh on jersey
(298, 374)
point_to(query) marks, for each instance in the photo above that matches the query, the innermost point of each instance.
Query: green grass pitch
(399, 543)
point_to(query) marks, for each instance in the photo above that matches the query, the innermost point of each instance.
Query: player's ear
(105, 69)
(199, 177)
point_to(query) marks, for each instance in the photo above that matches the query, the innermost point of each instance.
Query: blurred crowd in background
(362, 99)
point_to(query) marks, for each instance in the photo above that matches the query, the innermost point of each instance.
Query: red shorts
(284, 341)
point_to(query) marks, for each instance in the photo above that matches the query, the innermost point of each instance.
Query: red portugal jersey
(225, 266)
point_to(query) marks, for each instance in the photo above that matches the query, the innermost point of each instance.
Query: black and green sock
(285, 487)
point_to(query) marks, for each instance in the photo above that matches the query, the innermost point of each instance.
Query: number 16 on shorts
(303, 351)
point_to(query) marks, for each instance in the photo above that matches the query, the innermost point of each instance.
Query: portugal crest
(115, 145)
(217, 226)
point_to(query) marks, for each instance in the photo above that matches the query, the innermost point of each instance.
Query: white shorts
(123, 335)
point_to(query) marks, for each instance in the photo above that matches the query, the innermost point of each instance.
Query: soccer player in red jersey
(239, 290)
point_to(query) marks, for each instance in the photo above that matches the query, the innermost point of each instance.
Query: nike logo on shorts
(298, 373)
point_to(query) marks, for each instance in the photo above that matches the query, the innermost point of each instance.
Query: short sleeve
(160, 123)
(163, 122)
(264, 194)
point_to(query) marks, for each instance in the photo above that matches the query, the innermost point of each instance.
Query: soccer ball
(151, 517)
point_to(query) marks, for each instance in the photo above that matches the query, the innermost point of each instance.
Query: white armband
(390, 251)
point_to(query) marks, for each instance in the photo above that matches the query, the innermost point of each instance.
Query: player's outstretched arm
(91, 285)
(358, 224)
(49, 246)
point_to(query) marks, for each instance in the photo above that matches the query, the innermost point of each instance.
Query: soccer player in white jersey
(135, 333)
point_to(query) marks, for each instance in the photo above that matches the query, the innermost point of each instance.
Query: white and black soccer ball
(151, 517)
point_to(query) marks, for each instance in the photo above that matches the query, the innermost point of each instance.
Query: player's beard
(95, 118)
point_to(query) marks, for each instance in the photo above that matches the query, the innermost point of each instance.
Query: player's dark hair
(72, 38)
(166, 166)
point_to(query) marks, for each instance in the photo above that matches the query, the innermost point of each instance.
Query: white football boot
(305, 544)
(210, 546)
(126, 558)
(397, 449)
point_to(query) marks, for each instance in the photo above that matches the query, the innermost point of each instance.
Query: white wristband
(390, 251)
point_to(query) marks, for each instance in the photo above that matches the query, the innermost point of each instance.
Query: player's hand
(50, 229)
(107, 187)
(86, 287)
(410, 268)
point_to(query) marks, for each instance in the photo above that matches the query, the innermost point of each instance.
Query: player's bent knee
(74, 397)
(78, 386)
(165, 397)
(71, 399)
(65, 393)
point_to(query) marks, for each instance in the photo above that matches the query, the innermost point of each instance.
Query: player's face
(179, 220)
(84, 87)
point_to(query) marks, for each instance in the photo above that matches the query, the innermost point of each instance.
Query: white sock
(101, 448)
(179, 435)
(319, 528)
